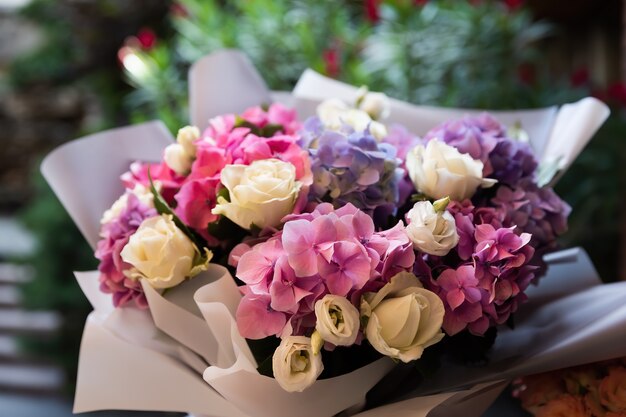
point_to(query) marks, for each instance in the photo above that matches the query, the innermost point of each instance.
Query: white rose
(439, 170)
(177, 159)
(143, 194)
(261, 193)
(294, 364)
(376, 105)
(431, 231)
(403, 318)
(186, 137)
(160, 252)
(337, 320)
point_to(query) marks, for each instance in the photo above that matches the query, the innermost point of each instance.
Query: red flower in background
(331, 62)
(526, 73)
(371, 10)
(420, 2)
(147, 38)
(513, 4)
(580, 77)
(617, 92)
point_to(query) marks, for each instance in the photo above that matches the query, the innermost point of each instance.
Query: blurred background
(71, 67)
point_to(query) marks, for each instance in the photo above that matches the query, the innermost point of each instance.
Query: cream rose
(431, 231)
(142, 193)
(403, 318)
(161, 253)
(261, 194)
(294, 364)
(439, 170)
(337, 320)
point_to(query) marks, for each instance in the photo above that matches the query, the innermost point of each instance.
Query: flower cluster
(116, 230)
(247, 168)
(502, 232)
(343, 231)
(311, 283)
(596, 390)
(326, 251)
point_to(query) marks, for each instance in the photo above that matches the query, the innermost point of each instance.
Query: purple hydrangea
(512, 161)
(485, 139)
(352, 168)
(115, 235)
(476, 136)
(534, 210)
(485, 292)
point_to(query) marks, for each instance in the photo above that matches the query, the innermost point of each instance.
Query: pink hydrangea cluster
(327, 251)
(256, 134)
(495, 269)
(115, 235)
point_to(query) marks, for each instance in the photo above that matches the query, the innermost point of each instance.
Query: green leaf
(270, 130)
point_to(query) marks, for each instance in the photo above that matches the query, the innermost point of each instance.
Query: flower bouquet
(326, 251)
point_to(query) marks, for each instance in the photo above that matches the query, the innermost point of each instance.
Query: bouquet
(294, 248)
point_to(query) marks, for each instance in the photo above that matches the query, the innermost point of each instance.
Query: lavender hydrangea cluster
(535, 210)
(352, 168)
(114, 236)
(484, 138)
(502, 237)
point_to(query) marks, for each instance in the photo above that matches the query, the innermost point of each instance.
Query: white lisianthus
(337, 320)
(439, 170)
(179, 156)
(261, 193)
(294, 364)
(161, 253)
(177, 159)
(375, 104)
(432, 229)
(334, 114)
(378, 130)
(403, 318)
(186, 137)
(142, 193)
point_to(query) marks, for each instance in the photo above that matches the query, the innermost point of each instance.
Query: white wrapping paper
(186, 354)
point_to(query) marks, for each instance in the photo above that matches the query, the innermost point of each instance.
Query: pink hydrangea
(486, 292)
(115, 235)
(326, 251)
(196, 200)
(223, 143)
(168, 180)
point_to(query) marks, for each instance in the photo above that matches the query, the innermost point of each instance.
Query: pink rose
(563, 406)
(612, 390)
(540, 389)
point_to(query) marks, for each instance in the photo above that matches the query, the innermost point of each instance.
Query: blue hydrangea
(352, 167)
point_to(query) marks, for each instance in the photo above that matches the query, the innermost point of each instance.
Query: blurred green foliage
(75, 53)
